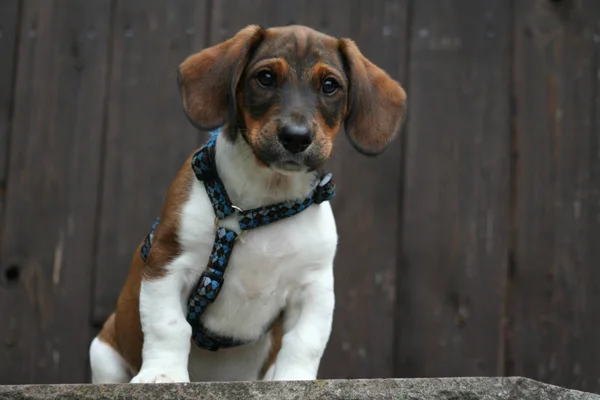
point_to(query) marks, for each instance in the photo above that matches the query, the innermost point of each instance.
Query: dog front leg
(167, 334)
(306, 329)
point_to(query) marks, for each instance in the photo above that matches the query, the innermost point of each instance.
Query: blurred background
(471, 247)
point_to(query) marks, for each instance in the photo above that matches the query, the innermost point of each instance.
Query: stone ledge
(422, 389)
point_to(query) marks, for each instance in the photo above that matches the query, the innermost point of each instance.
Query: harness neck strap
(203, 164)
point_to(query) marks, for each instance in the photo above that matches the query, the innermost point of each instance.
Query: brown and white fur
(281, 95)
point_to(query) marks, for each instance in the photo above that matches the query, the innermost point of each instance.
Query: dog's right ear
(208, 79)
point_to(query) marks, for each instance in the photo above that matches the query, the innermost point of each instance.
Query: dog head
(288, 91)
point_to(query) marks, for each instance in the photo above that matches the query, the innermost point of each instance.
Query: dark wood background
(471, 247)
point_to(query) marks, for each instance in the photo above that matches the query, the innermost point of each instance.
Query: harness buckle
(242, 233)
(324, 190)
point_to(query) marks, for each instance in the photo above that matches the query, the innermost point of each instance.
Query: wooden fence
(471, 247)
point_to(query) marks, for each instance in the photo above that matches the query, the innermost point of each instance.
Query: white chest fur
(266, 266)
(268, 271)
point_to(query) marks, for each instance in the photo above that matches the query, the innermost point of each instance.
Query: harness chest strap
(212, 279)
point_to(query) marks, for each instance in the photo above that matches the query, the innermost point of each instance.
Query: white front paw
(161, 375)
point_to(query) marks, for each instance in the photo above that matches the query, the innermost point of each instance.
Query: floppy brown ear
(376, 102)
(208, 79)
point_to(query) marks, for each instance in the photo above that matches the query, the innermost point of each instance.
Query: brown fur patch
(299, 34)
(253, 125)
(325, 136)
(165, 246)
(108, 334)
(321, 70)
(329, 132)
(276, 340)
(302, 41)
(128, 329)
(278, 65)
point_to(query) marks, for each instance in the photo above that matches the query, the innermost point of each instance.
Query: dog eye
(266, 78)
(330, 86)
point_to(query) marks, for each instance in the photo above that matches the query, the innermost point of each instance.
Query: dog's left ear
(208, 79)
(376, 102)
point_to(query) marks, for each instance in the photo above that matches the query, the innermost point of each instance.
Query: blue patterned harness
(212, 279)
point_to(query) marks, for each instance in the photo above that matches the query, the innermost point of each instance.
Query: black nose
(295, 138)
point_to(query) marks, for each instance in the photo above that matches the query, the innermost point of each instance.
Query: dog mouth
(274, 157)
(288, 166)
(278, 161)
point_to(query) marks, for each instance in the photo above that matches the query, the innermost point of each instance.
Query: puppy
(278, 98)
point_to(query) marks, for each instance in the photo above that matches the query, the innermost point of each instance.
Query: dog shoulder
(166, 244)
(318, 227)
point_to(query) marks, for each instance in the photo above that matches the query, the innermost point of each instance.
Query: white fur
(166, 331)
(285, 266)
(107, 365)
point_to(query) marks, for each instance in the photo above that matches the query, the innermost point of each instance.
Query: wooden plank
(367, 202)
(454, 228)
(47, 250)
(367, 209)
(269, 13)
(9, 17)
(555, 289)
(148, 135)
